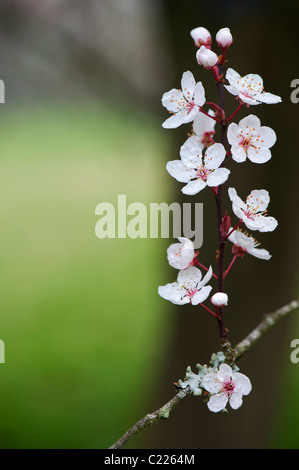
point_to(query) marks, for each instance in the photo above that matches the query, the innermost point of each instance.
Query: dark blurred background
(90, 347)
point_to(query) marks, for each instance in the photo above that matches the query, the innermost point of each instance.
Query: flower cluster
(203, 163)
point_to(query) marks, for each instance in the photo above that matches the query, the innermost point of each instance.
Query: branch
(151, 418)
(241, 348)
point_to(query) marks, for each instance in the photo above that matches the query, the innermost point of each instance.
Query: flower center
(228, 387)
(203, 173)
(246, 142)
(190, 106)
(191, 293)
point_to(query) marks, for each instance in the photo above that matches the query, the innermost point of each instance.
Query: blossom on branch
(226, 386)
(220, 299)
(253, 212)
(249, 89)
(180, 255)
(244, 243)
(206, 58)
(201, 36)
(250, 140)
(184, 104)
(197, 171)
(224, 38)
(189, 287)
(204, 129)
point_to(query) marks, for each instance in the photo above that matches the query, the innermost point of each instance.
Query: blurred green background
(90, 347)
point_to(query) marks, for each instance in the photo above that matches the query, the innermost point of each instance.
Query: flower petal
(188, 85)
(199, 95)
(191, 153)
(268, 98)
(238, 153)
(201, 295)
(174, 121)
(224, 373)
(214, 156)
(211, 383)
(218, 177)
(242, 383)
(189, 277)
(235, 400)
(217, 402)
(193, 187)
(179, 171)
(173, 292)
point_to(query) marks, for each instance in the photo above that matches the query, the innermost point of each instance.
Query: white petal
(224, 373)
(193, 187)
(257, 155)
(232, 89)
(174, 121)
(206, 278)
(174, 293)
(268, 136)
(258, 198)
(269, 224)
(191, 154)
(188, 84)
(260, 253)
(233, 77)
(242, 383)
(214, 156)
(199, 95)
(235, 400)
(180, 255)
(211, 383)
(189, 277)
(217, 402)
(251, 121)
(218, 177)
(203, 124)
(179, 171)
(201, 295)
(268, 98)
(238, 153)
(248, 100)
(171, 98)
(232, 133)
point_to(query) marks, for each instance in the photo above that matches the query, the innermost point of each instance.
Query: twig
(240, 349)
(151, 418)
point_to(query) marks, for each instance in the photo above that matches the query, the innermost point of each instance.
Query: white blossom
(253, 212)
(201, 36)
(250, 140)
(189, 287)
(226, 386)
(224, 38)
(206, 57)
(203, 128)
(244, 243)
(197, 171)
(180, 255)
(249, 89)
(184, 104)
(220, 299)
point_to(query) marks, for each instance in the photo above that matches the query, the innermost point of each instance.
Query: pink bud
(206, 57)
(201, 36)
(224, 38)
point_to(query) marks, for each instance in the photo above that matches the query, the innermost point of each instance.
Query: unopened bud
(224, 38)
(225, 225)
(206, 57)
(220, 299)
(201, 37)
